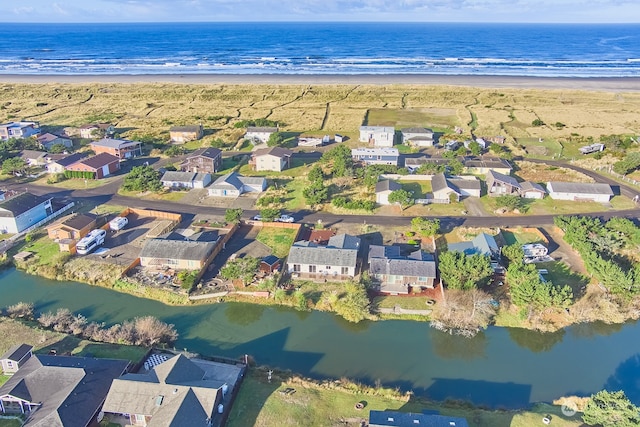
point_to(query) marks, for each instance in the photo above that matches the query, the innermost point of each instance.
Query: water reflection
(243, 314)
(449, 346)
(627, 377)
(536, 341)
(590, 330)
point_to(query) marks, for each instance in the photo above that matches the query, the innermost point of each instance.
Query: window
(312, 269)
(328, 267)
(345, 270)
(296, 268)
(9, 364)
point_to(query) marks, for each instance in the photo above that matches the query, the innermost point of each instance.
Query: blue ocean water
(553, 50)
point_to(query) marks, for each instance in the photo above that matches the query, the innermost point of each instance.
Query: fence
(610, 171)
(44, 221)
(432, 201)
(153, 213)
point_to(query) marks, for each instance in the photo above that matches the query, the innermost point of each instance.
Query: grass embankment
(325, 403)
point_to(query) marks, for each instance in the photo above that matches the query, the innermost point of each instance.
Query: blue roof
(483, 244)
(408, 419)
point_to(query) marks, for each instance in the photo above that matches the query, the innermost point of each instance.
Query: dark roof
(387, 185)
(579, 188)
(17, 352)
(70, 159)
(419, 161)
(186, 128)
(209, 152)
(20, 204)
(342, 251)
(98, 161)
(270, 260)
(387, 260)
(70, 389)
(439, 182)
(408, 419)
(491, 162)
(48, 137)
(79, 221)
(177, 249)
(505, 179)
(273, 151)
(177, 176)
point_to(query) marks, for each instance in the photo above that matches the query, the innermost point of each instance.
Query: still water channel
(500, 368)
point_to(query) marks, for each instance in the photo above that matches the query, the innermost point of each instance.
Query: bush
(537, 122)
(342, 202)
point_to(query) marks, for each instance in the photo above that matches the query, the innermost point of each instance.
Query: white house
(271, 159)
(259, 134)
(176, 179)
(444, 186)
(383, 189)
(335, 261)
(417, 137)
(580, 191)
(19, 130)
(19, 211)
(532, 190)
(234, 184)
(376, 156)
(378, 136)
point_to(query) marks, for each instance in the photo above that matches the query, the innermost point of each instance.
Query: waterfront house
(205, 160)
(580, 191)
(179, 253)
(19, 211)
(182, 134)
(271, 159)
(58, 162)
(99, 130)
(59, 390)
(408, 419)
(499, 184)
(178, 179)
(233, 185)
(383, 189)
(417, 137)
(378, 136)
(121, 148)
(177, 392)
(100, 165)
(19, 130)
(376, 156)
(336, 261)
(445, 188)
(48, 140)
(74, 226)
(483, 243)
(15, 357)
(34, 158)
(259, 135)
(395, 274)
(532, 190)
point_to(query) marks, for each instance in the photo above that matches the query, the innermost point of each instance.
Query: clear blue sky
(40, 11)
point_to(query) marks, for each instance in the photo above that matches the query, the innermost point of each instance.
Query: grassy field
(261, 404)
(408, 303)
(76, 183)
(520, 236)
(549, 206)
(10, 423)
(278, 239)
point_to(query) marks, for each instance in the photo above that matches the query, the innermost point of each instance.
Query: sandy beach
(622, 84)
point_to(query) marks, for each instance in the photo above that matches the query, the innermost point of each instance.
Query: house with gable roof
(532, 190)
(58, 162)
(259, 134)
(101, 165)
(499, 184)
(580, 191)
(120, 148)
(19, 130)
(48, 140)
(445, 187)
(338, 260)
(378, 136)
(19, 211)
(233, 185)
(15, 357)
(90, 130)
(182, 134)
(204, 160)
(376, 156)
(177, 179)
(483, 243)
(396, 274)
(383, 189)
(271, 159)
(417, 137)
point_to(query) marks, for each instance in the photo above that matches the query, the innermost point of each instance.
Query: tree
(431, 168)
(316, 193)
(315, 174)
(607, 408)
(425, 227)
(455, 167)
(142, 178)
(174, 150)
(57, 149)
(14, 165)
(233, 215)
(275, 139)
(150, 331)
(340, 160)
(401, 197)
(475, 148)
(513, 253)
(630, 163)
(269, 214)
(461, 271)
(509, 201)
(240, 268)
(464, 312)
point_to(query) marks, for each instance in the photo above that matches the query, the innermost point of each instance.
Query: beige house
(15, 357)
(182, 134)
(271, 159)
(179, 254)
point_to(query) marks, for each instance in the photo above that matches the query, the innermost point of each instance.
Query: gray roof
(273, 151)
(70, 389)
(408, 419)
(263, 129)
(467, 184)
(17, 352)
(98, 161)
(505, 179)
(175, 393)
(48, 137)
(17, 205)
(78, 221)
(492, 162)
(579, 188)
(115, 143)
(237, 181)
(391, 263)
(419, 161)
(342, 251)
(417, 130)
(32, 154)
(387, 185)
(440, 182)
(177, 176)
(201, 177)
(186, 128)
(531, 186)
(177, 249)
(483, 243)
(208, 152)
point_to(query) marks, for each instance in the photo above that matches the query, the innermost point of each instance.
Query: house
(483, 143)
(19, 130)
(234, 184)
(271, 159)
(395, 274)
(269, 264)
(378, 136)
(445, 188)
(177, 179)
(34, 158)
(417, 137)
(482, 165)
(15, 357)
(101, 165)
(121, 148)
(259, 135)
(413, 163)
(593, 148)
(179, 253)
(451, 145)
(58, 162)
(483, 243)
(408, 419)
(376, 156)
(74, 226)
(48, 140)
(498, 139)
(177, 392)
(92, 130)
(579, 191)
(383, 189)
(500, 185)
(182, 134)
(335, 261)
(19, 211)
(532, 190)
(205, 160)
(60, 390)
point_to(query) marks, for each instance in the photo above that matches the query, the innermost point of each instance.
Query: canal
(502, 367)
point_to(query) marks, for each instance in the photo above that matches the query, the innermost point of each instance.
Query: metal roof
(579, 188)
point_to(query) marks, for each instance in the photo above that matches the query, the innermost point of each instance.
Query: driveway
(474, 207)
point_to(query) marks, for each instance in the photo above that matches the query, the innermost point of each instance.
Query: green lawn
(278, 239)
(44, 247)
(299, 167)
(419, 189)
(3, 379)
(561, 274)
(408, 303)
(548, 206)
(407, 117)
(10, 423)
(546, 149)
(76, 183)
(295, 200)
(522, 237)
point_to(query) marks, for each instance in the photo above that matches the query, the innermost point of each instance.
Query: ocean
(541, 50)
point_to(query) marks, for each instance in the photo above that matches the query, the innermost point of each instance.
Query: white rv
(91, 241)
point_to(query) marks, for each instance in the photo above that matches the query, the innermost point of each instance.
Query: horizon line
(328, 21)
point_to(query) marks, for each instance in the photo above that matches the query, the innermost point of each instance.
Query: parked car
(257, 218)
(284, 218)
(118, 223)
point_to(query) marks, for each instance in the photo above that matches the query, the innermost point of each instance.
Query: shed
(269, 264)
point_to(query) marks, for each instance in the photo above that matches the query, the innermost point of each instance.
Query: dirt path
(560, 250)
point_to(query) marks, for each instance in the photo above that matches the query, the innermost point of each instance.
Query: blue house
(22, 210)
(483, 243)
(376, 156)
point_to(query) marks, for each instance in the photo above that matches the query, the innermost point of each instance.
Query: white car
(285, 218)
(257, 218)
(118, 223)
